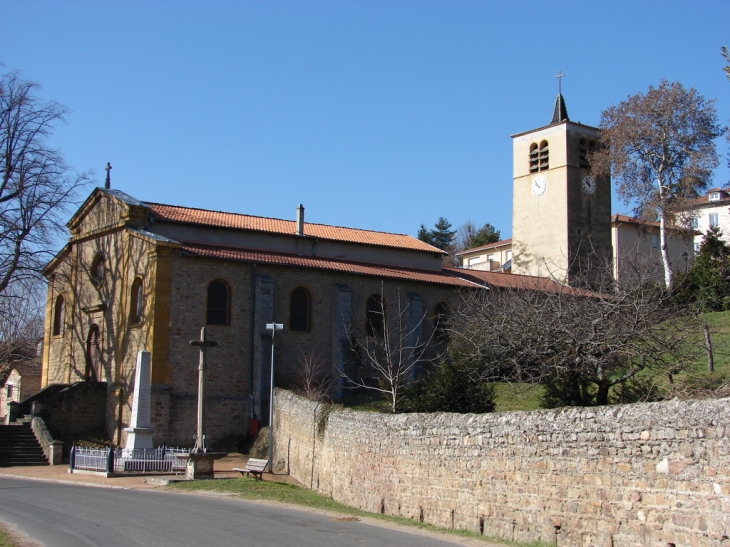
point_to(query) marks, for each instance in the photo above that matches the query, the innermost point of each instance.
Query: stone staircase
(18, 446)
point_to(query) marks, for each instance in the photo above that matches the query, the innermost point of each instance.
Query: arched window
(441, 316)
(544, 156)
(375, 315)
(219, 304)
(136, 304)
(93, 355)
(58, 314)
(586, 147)
(98, 269)
(300, 309)
(533, 158)
(583, 149)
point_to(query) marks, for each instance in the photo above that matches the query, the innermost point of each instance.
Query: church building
(147, 276)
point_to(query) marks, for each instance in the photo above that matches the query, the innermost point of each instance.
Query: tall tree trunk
(602, 393)
(668, 274)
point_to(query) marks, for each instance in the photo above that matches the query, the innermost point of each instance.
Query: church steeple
(560, 112)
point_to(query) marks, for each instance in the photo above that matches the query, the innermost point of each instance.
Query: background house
(711, 211)
(21, 380)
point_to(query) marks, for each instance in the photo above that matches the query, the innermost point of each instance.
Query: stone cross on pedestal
(139, 432)
(203, 344)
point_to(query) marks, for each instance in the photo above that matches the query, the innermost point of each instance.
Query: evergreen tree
(442, 234)
(708, 281)
(424, 234)
(469, 236)
(485, 235)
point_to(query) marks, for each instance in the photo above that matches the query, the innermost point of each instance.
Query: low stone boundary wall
(645, 474)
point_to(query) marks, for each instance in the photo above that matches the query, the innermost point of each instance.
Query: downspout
(250, 337)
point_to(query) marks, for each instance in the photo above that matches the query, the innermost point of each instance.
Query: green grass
(5, 540)
(251, 489)
(517, 396)
(365, 402)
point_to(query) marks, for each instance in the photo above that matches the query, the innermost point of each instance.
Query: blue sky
(374, 114)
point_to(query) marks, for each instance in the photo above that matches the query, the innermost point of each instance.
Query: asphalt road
(60, 515)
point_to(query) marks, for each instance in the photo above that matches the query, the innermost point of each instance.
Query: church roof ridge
(222, 219)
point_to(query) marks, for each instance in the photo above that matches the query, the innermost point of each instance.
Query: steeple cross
(560, 82)
(203, 344)
(108, 169)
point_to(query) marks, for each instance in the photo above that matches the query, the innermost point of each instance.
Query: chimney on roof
(300, 220)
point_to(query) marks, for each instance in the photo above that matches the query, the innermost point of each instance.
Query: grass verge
(5, 540)
(251, 489)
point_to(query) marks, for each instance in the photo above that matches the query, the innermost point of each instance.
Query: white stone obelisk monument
(139, 432)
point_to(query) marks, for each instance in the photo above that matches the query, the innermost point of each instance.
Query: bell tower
(561, 216)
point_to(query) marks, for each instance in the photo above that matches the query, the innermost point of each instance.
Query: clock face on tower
(589, 185)
(539, 183)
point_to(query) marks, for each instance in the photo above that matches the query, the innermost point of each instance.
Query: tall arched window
(219, 304)
(583, 151)
(441, 316)
(586, 147)
(534, 153)
(544, 156)
(300, 310)
(58, 314)
(375, 315)
(136, 304)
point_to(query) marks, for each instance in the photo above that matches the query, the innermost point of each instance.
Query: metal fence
(120, 460)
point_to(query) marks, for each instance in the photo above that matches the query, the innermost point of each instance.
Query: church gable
(105, 209)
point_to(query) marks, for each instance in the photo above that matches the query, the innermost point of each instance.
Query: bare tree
(597, 339)
(660, 149)
(36, 186)
(21, 323)
(313, 380)
(469, 236)
(390, 350)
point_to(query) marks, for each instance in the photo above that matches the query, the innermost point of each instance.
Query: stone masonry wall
(645, 474)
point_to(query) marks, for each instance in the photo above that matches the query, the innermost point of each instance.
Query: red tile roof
(444, 277)
(513, 281)
(639, 222)
(494, 245)
(188, 215)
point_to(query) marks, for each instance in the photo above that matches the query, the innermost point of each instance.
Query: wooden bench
(253, 467)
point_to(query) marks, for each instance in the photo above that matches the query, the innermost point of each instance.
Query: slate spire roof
(560, 112)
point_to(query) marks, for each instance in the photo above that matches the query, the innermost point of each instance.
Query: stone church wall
(644, 474)
(227, 376)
